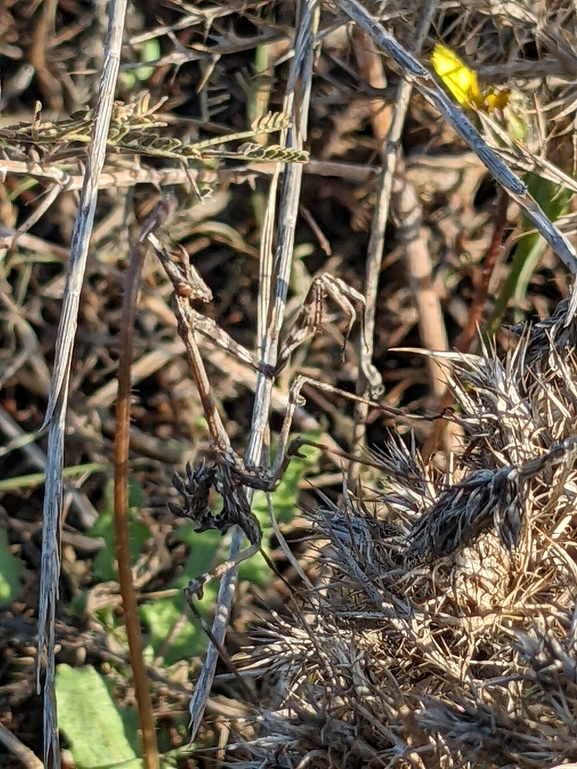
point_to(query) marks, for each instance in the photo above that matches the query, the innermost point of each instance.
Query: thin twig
(121, 457)
(163, 177)
(44, 30)
(26, 757)
(58, 399)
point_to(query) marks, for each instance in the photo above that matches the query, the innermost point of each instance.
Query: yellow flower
(462, 81)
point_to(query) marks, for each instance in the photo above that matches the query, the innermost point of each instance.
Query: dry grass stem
(299, 82)
(55, 417)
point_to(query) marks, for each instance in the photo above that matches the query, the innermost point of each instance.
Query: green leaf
(150, 51)
(554, 200)
(94, 727)
(10, 567)
(163, 616)
(103, 565)
(284, 505)
(284, 498)
(164, 620)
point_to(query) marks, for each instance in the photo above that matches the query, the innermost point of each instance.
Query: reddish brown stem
(465, 338)
(121, 449)
(467, 335)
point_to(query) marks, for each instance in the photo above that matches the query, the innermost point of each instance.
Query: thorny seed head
(442, 628)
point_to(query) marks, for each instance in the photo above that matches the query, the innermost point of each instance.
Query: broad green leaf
(163, 615)
(103, 565)
(164, 620)
(284, 499)
(98, 734)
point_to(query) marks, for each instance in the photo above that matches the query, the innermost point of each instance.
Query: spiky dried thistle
(443, 631)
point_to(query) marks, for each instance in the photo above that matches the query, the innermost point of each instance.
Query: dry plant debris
(442, 631)
(438, 626)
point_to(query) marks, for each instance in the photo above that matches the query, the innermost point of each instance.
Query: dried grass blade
(58, 398)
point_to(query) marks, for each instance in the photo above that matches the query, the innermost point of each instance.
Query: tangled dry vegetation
(443, 630)
(437, 626)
